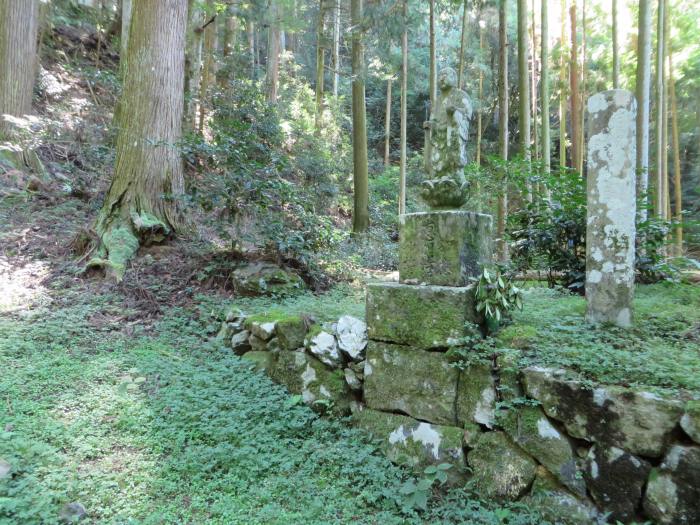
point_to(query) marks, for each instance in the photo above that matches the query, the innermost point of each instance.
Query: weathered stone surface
(405, 379)
(234, 315)
(264, 331)
(673, 491)
(352, 379)
(421, 316)
(291, 332)
(415, 444)
(265, 279)
(534, 433)
(352, 337)
(224, 334)
(476, 395)
(507, 370)
(690, 422)
(556, 504)
(501, 470)
(610, 230)
(444, 248)
(262, 361)
(239, 342)
(305, 375)
(639, 422)
(257, 344)
(324, 347)
(273, 345)
(615, 479)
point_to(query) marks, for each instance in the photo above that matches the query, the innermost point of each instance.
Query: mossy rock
(500, 469)
(416, 444)
(266, 279)
(518, 336)
(320, 388)
(262, 361)
(291, 332)
(416, 382)
(476, 395)
(530, 428)
(690, 422)
(557, 505)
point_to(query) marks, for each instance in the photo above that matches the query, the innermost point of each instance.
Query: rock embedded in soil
(239, 342)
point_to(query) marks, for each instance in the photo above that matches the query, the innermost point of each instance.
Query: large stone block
(557, 504)
(420, 316)
(444, 247)
(673, 491)
(416, 444)
(501, 470)
(405, 379)
(476, 395)
(638, 421)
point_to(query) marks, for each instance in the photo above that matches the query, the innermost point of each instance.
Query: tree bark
(575, 100)
(544, 86)
(502, 207)
(523, 82)
(336, 47)
(387, 125)
(208, 65)
(273, 53)
(320, 65)
(19, 28)
(665, 181)
(141, 205)
(193, 64)
(404, 97)
(124, 43)
(615, 46)
(677, 179)
(563, 102)
(360, 218)
(230, 29)
(583, 89)
(659, 207)
(250, 29)
(533, 86)
(432, 87)
(643, 95)
(480, 105)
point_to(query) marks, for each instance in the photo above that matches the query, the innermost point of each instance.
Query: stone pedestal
(610, 230)
(444, 247)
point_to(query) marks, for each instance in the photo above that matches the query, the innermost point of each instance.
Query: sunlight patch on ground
(21, 287)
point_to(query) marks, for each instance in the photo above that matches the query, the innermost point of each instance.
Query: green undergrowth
(661, 352)
(157, 425)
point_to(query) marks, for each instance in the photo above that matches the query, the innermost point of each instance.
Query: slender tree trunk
(643, 95)
(677, 180)
(250, 29)
(533, 87)
(336, 48)
(273, 53)
(562, 87)
(544, 86)
(659, 203)
(230, 29)
(575, 100)
(320, 65)
(583, 89)
(404, 97)
(123, 44)
(19, 28)
(502, 208)
(665, 182)
(615, 47)
(193, 64)
(432, 87)
(479, 110)
(142, 203)
(208, 65)
(387, 125)
(360, 218)
(463, 46)
(523, 82)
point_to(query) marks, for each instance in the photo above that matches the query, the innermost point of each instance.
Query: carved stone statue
(448, 140)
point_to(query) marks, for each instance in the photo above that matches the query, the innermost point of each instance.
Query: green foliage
(496, 295)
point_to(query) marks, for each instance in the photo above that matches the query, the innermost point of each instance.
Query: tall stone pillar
(610, 228)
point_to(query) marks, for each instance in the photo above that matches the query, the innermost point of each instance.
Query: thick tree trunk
(360, 217)
(141, 205)
(643, 96)
(575, 97)
(387, 125)
(615, 47)
(250, 30)
(502, 208)
(659, 207)
(273, 53)
(124, 43)
(544, 86)
(563, 102)
(230, 28)
(19, 27)
(320, 65)
(404, 112)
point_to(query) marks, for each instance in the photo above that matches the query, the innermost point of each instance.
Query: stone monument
(610, 227)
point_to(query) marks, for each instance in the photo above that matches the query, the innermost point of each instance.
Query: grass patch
(661, 352)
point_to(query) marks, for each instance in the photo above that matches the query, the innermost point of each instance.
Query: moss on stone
(262, 361)
(476, 395)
